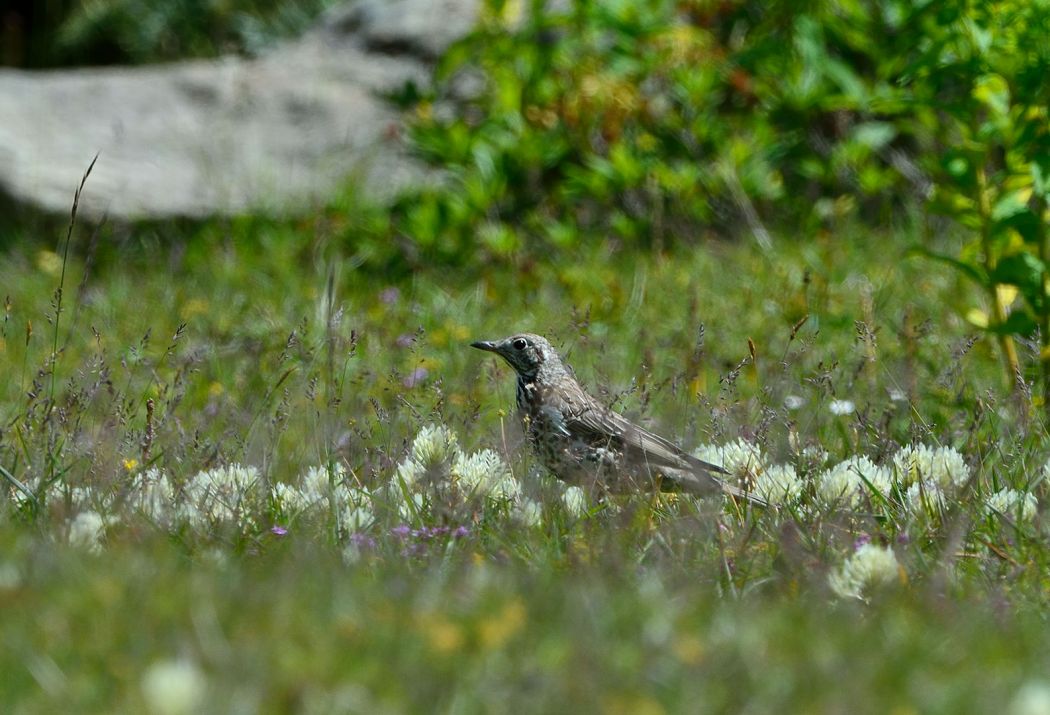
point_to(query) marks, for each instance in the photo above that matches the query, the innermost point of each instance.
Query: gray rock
(276, 134)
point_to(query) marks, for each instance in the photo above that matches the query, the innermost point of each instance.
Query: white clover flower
(943, 466)
(173, 687)
(87, 530)
(794, 402)
(435, 446)
(847, 481)
(78, 498)
(153, 496)
(924, 498)
(739, 458)
(317, 483)
(290, 499)
(1013, 504)
(529, 513)
(575, 501)
(409, 472)
(357, 518)
(221, 495)
(842, 407)
(868, 568)
(485, 473)
(408, 511)
(779, 484)
(815, 455)
(315, 488)
(360, 496)
(1032, 698)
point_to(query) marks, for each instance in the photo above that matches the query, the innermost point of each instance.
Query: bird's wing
(641, 444)
(644, 447)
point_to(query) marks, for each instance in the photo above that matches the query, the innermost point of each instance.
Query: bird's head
(526, 353)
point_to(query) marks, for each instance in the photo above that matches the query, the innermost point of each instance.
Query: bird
(583, 442)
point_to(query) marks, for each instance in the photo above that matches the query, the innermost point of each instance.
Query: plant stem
(1039, 209)
(1006, 343)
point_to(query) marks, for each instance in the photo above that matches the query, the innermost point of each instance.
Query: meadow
(253, 465)
(287, 485)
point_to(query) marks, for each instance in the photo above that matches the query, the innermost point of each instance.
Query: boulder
(275, 134)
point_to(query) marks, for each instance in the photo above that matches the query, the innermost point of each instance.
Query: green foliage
(143, 31)
(654, 122)
(979, 86)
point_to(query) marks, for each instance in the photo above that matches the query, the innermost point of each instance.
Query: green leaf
(874, 135)
(1025, 271)
(1009, 205)
(1018, 322)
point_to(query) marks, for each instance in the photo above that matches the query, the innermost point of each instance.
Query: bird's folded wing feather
(646, 447)
(643, 445)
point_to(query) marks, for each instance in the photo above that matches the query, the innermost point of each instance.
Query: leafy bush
(142, 31)
(653, 122)
(980, 90)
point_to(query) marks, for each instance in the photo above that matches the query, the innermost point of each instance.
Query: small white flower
(224, 494)
(943, 466)
(1032, 698)
(434, 446)
(897, 395)
(868, 568)
(815, 455)
(779, 484)
(357, 518)
(87, 530)
(173, 687)
(924, 498)
(153, 496)
(1014, 504)
(847, 481)
(794, 402)
(842, 407)
(290, 499)
(485, 473)
(78, 498)
(318, 482)
(575, 501)
(528, 513)
(409, 473)
(408, 512)
(739, 458)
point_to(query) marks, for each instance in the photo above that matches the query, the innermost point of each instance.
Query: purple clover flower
(362, 541)
(415, 377)
(862, 540)
(278, 530)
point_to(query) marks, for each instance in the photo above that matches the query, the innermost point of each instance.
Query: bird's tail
(738, 494)
(704, 481)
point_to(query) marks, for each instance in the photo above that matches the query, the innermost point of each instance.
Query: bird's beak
(484, 345)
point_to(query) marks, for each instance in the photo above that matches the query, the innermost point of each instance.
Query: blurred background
(71, 33)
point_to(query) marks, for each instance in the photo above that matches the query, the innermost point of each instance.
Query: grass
(270, 345)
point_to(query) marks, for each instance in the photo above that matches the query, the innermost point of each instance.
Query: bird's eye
(519, 344)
